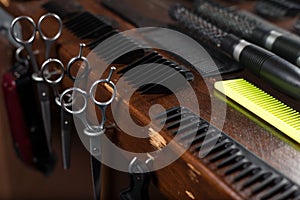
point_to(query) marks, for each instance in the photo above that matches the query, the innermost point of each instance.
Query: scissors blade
(43, 95)
(95, 147)
(66, 119)
(96, 172)
(48, 44)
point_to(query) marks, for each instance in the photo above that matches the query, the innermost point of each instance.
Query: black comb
(249, 171)
(86, 25)
(155, 69)
(64, 9)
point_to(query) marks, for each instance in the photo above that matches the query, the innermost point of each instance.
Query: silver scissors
(79, 109)
(85, 63)
(28, 43)
(53, 71)
(42, 89)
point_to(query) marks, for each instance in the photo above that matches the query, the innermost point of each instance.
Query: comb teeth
(136, 55)
(201, 28)
(229, 158)
(64, 9)
(263, 105)
(87, 26)
(155, 69)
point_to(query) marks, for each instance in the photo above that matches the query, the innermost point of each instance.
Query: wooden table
(189, 177)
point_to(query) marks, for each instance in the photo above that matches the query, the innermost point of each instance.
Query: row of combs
(86, 25)
(229, 158)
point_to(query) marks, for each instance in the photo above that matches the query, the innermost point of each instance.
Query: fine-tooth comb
(273, 111)
(64, 9)
(249, 172)
(155, 72)
(85, 25)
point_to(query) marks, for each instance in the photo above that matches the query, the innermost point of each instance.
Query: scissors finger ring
(55, 37)
(106, 81)
(51, 74)
(76, 93)
(14, 34)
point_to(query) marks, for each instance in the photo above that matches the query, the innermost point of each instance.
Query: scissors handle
(103, 104)
(49, 40)
(26, 43)
(78, 58)
(18, 56)
(53, 77)
(92, 91)
(17, 38)
(66, 105)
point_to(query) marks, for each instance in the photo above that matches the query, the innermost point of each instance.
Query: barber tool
(53, 77)
(136, 12)
(281, 74)
(53, 72)
(94, 133)
(64, 9)
(232, 22)
(86, 25)
(155, 69)
(227, 157)
(42, 89)
(277, 9)
(18, 126)
(273, 111)
(139, 181)
(26, 125)
(223, 64)
(136, 16)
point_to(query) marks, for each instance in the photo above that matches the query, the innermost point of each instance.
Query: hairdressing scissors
(53, 71)
(42, 89)
(28, 43)
(79, 109)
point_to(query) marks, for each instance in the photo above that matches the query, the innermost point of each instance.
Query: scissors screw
(95, 150)
(44, 94)
(66, 122)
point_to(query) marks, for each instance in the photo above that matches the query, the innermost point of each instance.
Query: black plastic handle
(281, 74)
(288, 48)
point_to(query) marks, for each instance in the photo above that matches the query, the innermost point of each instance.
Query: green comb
(273, 111)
